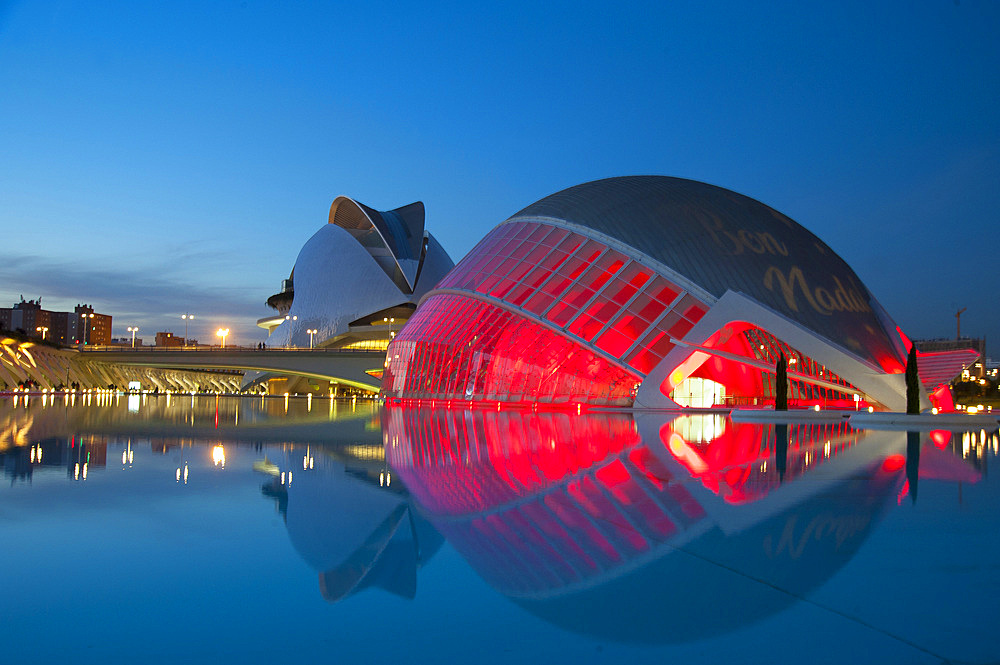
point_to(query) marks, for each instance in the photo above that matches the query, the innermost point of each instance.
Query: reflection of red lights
(941, 437)
(903, 492)
(558, 498)
(538, 502)
(739, 463)
(471, 460)
(893, 463)
(685, 455)
(473, 405)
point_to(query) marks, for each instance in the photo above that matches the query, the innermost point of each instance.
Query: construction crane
(958, 323)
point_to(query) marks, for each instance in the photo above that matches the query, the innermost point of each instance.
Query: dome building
(649, 291)
(357, 280)
(354, 285)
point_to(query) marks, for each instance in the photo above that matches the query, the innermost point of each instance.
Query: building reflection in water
(348, 519)
(641, 529)
(630, 527)
(24, 419)
(78, 455)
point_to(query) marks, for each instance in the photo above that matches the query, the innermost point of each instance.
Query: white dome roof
(338, 280)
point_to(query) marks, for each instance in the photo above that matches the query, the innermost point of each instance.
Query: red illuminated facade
(652, 292)
(552, 507)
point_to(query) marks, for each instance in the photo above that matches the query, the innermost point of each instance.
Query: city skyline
(170, 160)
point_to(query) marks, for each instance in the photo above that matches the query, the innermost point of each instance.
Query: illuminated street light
(43, 330)
(186, 317)
(311, 331)
(389, 321)
(133, 330)
(85, 326)
(222, 332)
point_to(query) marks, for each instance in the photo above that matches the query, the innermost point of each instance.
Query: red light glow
(940, 437)
(893, 463)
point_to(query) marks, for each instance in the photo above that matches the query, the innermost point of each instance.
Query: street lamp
(289, 317)
(222, 332)
(43, 330)
(311, 331)
(85, 326)
(186, 317)
(389, 322)
(133, 331)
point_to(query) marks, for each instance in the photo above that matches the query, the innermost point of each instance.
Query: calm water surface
(156, 529)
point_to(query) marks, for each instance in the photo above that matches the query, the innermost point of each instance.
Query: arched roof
(721, 240)
(394, 238)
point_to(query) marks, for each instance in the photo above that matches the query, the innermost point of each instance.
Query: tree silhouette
(912, 382)
(781, 384)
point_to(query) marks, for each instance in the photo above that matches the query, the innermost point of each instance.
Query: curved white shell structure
(362, 263)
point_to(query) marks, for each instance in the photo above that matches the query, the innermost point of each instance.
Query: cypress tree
(912, 382)
(781, 384)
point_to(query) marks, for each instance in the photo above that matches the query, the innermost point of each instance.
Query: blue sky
(159, 158)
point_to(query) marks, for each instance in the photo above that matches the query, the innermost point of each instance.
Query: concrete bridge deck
(344, 366)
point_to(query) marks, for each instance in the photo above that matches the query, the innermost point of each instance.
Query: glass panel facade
(460, 348)
(802, 393)
(593, 295)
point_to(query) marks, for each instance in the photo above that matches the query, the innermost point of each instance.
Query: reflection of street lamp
(311, 331)
(133, 331)
(85, 326)
(43, 330)
(186, 317)
(222, 332)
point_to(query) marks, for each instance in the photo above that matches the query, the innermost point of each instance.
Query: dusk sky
(158, 158)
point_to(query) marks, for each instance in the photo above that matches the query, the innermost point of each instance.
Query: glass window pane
(663, 291)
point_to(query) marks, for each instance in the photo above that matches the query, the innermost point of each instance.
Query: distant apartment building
(96, 327)
(168, 339)
(66, 327)
(28, 317)
(83, 325)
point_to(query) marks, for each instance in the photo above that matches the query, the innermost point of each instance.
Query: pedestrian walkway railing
(217, 349)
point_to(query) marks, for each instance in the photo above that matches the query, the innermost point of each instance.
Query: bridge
(344, 366)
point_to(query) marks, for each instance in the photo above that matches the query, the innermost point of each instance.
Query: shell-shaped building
(654, 292)
(357, 280)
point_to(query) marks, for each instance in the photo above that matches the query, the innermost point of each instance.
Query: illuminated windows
(699, 393)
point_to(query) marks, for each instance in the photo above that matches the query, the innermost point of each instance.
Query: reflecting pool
(155, 528)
